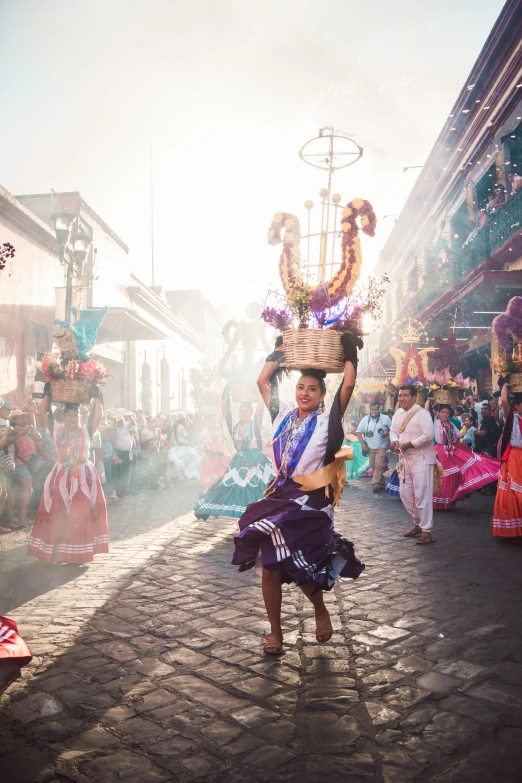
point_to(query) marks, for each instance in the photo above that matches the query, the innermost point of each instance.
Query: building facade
(454, 257)
(149, 346)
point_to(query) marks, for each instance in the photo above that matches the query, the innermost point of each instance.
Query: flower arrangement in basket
(312, 317)
(507, 331)
(445, 388)
(72, 381)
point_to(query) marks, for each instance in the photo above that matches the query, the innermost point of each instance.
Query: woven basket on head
(244, 393)
(317, 349)
(515, 383)
(68, 390)
(446, 396)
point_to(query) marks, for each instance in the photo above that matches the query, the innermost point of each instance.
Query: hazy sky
(226, 91)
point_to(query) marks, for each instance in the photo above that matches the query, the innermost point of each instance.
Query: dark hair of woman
(517, 398)
(319, 375)
(473, 416)
(247, 405)
(71, 406)
(446, 406)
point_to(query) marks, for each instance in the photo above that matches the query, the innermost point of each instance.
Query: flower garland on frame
(343, 281)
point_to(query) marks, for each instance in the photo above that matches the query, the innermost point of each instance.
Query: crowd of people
(130, 451)
(443, 453)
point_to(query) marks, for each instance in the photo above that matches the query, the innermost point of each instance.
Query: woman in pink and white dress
(71, 524)
(464, 470)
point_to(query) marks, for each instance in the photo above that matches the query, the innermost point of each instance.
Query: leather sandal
(422, 541)
(273, 644)
(415, 531)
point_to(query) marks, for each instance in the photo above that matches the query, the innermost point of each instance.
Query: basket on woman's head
(326, 350)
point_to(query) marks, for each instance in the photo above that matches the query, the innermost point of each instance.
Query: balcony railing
(505, 221)
(503, 224)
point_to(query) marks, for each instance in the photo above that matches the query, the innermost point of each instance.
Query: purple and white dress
(293, 530)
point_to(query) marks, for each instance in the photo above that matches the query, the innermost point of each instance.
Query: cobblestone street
(148, 664)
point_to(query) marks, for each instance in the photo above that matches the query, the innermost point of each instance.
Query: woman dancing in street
(71, 524)
(464, 470)
(249, 472)
(507, 514)
(292, 525)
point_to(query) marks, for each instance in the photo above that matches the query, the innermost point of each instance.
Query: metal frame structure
(330, 160)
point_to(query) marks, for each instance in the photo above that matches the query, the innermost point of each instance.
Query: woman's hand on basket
(351, 342)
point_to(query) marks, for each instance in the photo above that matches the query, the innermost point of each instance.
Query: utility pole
(152, 215)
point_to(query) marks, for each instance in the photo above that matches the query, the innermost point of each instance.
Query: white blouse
(516, 436)
(314, 454)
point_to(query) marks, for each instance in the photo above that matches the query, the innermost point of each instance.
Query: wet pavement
(149, 665)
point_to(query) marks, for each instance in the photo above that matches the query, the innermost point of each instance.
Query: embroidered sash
(298, 443)
(415, 409)
(333, 474)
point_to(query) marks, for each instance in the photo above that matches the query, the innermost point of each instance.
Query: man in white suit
(411, 437)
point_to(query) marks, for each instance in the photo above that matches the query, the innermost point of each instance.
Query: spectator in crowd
(42, 463)
(483, 397)
(482, 219)
(8, 438)
(515, 181)
(459, 411)
(497, 200)
(469, 428)
(374, 435)
(149, 434)
(22, 487)
(107, 437)
(122, 445)
(488, 433)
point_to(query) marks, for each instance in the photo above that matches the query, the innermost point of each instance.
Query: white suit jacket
(420, 432)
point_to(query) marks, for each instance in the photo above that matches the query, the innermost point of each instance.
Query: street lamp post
(80, 241)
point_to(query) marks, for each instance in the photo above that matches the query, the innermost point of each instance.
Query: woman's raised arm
(350, 342)
(269, 368)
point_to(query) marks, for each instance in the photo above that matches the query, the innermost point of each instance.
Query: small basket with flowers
(507, 331)
(445, 389)
(73, 381)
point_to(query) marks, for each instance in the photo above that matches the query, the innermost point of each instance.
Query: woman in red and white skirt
(71, 524)
(465, 471)
(215, 459)
(507, 514)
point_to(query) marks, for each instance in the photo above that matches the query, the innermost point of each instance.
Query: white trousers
(417, 495)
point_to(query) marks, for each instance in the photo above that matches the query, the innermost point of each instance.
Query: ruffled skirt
(507, 514)
(359, 464)
(71, 523)
(465, 471)
(213, 468)
(245, 481)
(294, 534)
(186, 460)
(393, 486)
